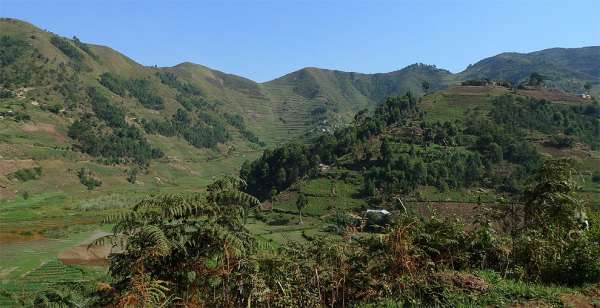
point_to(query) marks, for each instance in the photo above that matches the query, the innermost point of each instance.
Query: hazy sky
(262, 40)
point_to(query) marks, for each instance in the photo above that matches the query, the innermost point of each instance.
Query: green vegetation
(88, 179)
(278, 169)
(13, 54)
(202, 131)
(83, 46)
(182, 249)
(107, 134)
(67, 48)
(172, 81)
(554, 67)
(553, 119)
(26, 174)
(141, 89)
(456, 169)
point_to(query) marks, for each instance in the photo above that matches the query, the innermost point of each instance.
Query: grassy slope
(567, 68)
(276, 111)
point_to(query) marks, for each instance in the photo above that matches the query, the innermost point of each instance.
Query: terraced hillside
(567, 68)
(188, 119)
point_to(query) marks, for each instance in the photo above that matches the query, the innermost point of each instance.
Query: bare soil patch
(43, 127)
(11, 165)
(475, 89)
(552, 95)
(576, 300)
(84, 254)
(579, 150)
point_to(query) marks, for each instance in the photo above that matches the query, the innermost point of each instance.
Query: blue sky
(262, 40)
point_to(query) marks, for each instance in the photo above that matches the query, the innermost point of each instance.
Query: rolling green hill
(186, 117)
(566, 68)
(86, 131)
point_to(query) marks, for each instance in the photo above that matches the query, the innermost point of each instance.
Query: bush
(24, 175)
(596, 177)
(132, 175)
(54, 108)
(87, 179)
(561, 141)
(105, 202)
(6, 94)
(580, 263)
(20, 116)
(107, 134)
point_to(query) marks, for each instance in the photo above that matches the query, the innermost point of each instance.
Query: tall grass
(108, 202)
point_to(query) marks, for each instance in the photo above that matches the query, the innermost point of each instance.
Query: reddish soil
(24, 231)
(552, 95)
(44, 127)
(580, 151)
(11, 237)
(12, 165)
(576, 300)
(84, 254)
(475, 89)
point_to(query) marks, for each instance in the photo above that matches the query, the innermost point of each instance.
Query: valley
(86, 134)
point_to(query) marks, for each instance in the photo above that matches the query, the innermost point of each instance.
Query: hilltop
(87, 132)
(566, 68)
(185, 116)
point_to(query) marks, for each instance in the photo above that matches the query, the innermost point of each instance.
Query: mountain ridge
(195, 114)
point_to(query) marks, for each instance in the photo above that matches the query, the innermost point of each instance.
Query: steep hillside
(86, 114)
(455, 154)
(65, 102)
(566, 68)
(86, 132)
(329, 98)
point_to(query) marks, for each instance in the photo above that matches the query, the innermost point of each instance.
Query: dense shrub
(85, 48)
(107, 134)
(596, 177)
(142, 90)
(67, 48)
(201, 130)
(26, 174)
(278, 169)
(87, 178)
(115, 83)
(184, 88)
(6, 94)
(139, 88)
(11, 49)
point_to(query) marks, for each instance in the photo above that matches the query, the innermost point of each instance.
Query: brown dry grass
(44, 127)
(552, 95)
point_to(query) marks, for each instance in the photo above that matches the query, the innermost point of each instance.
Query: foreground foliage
(195, 251)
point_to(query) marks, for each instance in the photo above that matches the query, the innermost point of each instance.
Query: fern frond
(160, 243)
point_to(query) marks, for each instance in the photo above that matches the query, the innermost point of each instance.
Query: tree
(587, 87)
(536, 79)
(425, 85)
(301, 203)
(132, 175)
(272, 196)
(552, 199)
(385, 151)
